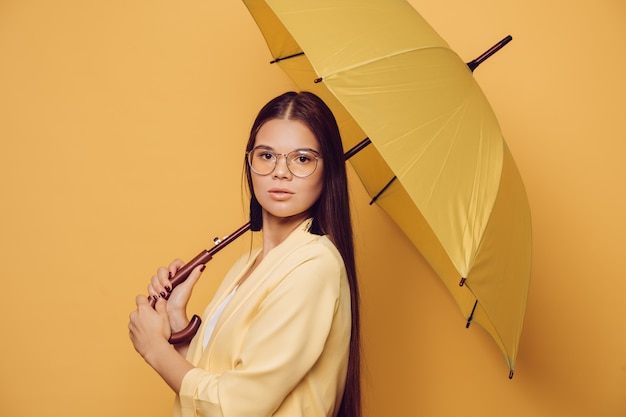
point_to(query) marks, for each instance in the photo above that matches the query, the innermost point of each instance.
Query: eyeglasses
(301, 162)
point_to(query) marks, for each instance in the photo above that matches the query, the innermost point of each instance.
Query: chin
(286, 215)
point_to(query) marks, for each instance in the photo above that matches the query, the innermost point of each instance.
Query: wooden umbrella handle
(185, 335)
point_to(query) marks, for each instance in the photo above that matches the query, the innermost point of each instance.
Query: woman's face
(282, 194)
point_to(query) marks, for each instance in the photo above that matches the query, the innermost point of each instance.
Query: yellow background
(121, 131)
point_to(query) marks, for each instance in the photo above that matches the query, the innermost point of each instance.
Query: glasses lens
(262, 161)
(302, 163)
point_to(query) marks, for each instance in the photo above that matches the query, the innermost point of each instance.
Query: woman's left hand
(149, 327)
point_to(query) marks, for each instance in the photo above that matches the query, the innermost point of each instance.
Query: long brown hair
(331, 213)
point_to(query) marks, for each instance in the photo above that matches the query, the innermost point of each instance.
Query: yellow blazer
(280, 347)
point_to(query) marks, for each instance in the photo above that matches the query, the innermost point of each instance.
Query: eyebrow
(269, 148)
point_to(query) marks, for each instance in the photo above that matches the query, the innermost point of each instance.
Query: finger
(175, 266)
(141, 300)
(160, 306)
(165, 278)
(197, 273)
(153, 293)
(159, 284)
(132, 326)
(194, 275)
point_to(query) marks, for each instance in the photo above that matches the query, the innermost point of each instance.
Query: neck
(276, 229)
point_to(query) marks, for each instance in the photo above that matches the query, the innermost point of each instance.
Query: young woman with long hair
(281, 335)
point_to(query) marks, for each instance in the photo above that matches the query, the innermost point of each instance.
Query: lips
(280, 193)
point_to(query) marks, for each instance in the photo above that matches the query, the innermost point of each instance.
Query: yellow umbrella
(388, 76)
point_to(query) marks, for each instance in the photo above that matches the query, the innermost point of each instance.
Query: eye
(264, 155)
(302, 157)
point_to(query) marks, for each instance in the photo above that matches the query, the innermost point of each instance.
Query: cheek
(316, 189)
(256, 183)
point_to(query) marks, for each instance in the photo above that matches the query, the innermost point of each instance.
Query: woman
(281, 336)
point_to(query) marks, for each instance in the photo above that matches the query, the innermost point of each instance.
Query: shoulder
(318, 249)
(314, 266)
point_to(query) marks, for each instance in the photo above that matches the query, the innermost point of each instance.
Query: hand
(148, 327)
(177, 299)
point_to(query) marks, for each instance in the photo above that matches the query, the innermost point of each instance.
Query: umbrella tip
(511, 374)
(495, 48)
(462, 282)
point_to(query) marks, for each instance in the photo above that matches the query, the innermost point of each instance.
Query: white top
(210, 325)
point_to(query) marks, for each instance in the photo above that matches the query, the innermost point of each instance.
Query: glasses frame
(312, 152)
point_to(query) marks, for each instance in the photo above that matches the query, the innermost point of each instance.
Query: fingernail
(202, 268)
(155, 298)
(168, 288)
(162, 294)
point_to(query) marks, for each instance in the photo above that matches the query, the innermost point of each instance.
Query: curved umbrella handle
(185, 335)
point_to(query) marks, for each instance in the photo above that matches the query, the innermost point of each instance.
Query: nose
(281, 170)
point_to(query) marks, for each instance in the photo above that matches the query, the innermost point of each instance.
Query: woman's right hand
(177, 298)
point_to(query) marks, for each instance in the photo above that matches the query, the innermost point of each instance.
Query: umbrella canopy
(438, 154)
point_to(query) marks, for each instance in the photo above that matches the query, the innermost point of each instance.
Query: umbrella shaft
(357, 148)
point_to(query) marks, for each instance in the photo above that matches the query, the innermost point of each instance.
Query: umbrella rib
(429, 144)
(471, 316)
(274, 61)
(382, 190)
(380, 58)
(470, 210)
